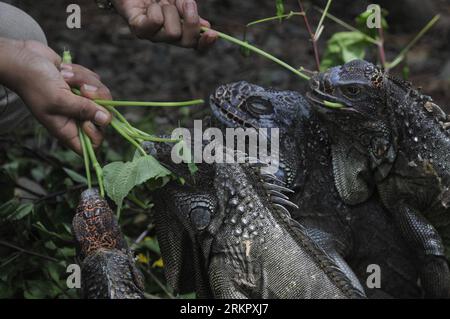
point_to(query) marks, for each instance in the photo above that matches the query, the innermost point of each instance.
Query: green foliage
(280, 8)
(36, 242)
(120, 178)
(361, 23)
(343, 47)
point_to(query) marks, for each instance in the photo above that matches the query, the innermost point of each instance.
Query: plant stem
(29, 252)
(320, 25)
(347, 26)
(405, 50)
(311, 35)
(115, 124)
(139, 103)
(258, 51)
(85, 142)
(137, 201)
(85, 156)
(284, 16)
(380, 45)
(150, 104)
(96, 165)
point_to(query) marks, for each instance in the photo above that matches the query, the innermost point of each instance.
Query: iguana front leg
(222, 284)
(434, 271)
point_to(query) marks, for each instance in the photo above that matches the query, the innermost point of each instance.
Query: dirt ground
(140, 70)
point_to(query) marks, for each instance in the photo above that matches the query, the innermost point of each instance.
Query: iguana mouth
(325, 101)
(229, 117)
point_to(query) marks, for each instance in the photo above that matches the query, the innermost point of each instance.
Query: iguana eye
(200, 217)
(258, 106)
(351, 91)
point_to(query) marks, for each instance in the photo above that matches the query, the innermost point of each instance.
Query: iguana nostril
(327, 86)
(314, 83)
(219, 92)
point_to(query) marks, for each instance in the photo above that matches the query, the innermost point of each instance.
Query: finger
(73, 143)
(207, 39)
(205, 23)
(191, 26)
(94, 133)
(146, 25)
(83, 109)
(95, 92)
(78, 69)
(78, 80)
(172, 23)
(87, 81)
(67, 133)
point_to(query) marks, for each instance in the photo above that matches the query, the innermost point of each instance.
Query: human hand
(171, 21)
(35, 73)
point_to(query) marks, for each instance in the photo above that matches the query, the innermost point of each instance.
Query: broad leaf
(120, 177)
(343, 47)
(75, 176)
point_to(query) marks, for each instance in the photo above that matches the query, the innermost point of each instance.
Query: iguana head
(351, 101)
(242, 104)
(246, 105)
(95, 226)
(353, 90)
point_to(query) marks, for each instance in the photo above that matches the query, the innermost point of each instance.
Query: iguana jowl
(224, 224)
(388, 136)
(108, 270)
(355, 235)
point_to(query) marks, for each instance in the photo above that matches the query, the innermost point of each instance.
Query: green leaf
(9, 208)
(361, 23)
(13, 210)
(152, 244)
(343, 47)
(120, 177)
(22, 211)
(280, 8)
(75, 176)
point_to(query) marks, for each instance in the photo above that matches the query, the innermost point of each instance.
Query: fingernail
(92, 125)
(65, 66)
(90, 88)
(101, 118)
(66, 74)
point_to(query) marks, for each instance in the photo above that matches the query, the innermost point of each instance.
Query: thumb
(84, 109)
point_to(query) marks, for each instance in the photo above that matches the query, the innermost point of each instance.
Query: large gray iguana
(225, 234)
(108, 270)
(387, 136)
(362, 234)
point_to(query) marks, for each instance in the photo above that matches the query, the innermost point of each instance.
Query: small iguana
(225, 227)
(108, 270)
(361, 234)
(387, 136)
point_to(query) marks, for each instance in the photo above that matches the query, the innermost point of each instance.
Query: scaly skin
(389, 137)
(242, 244)
(107, 269)
(360, 234)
